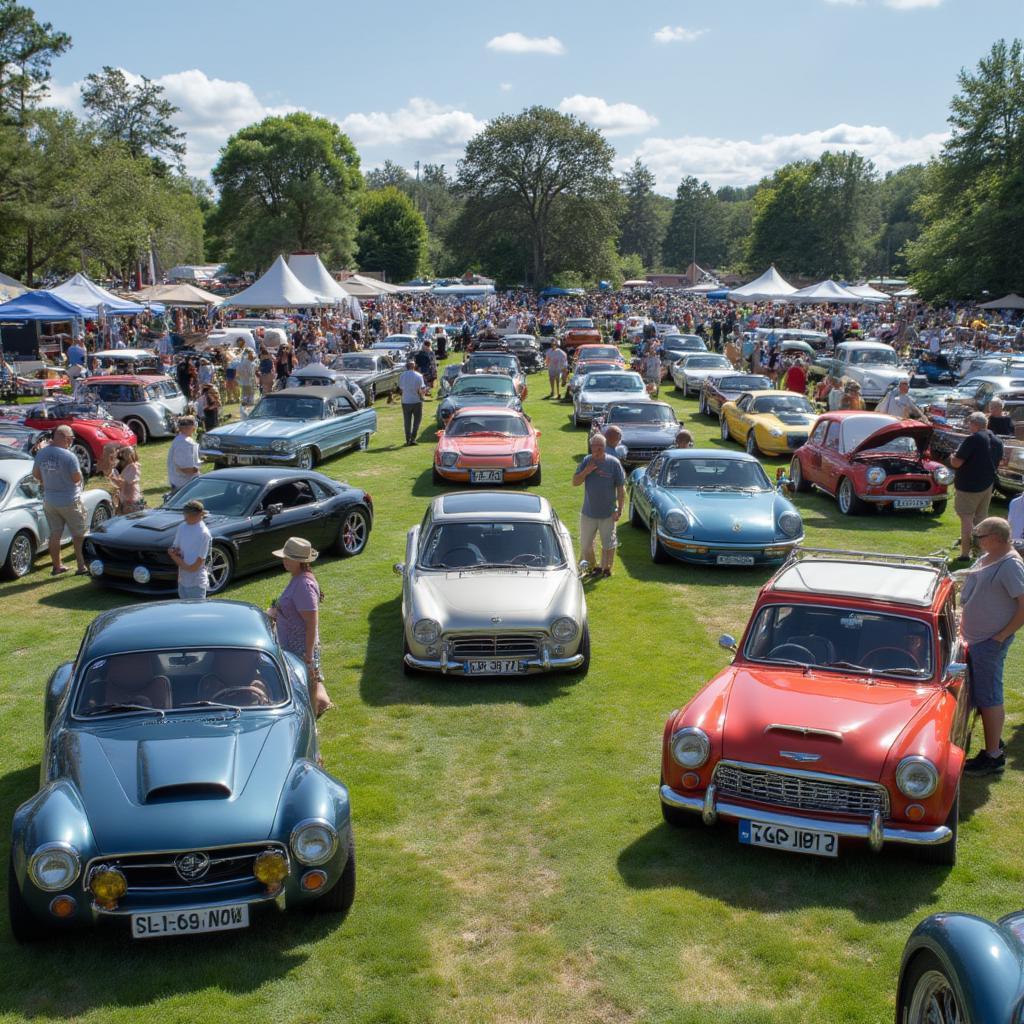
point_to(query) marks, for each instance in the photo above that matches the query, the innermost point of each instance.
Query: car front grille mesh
(910, 485)
(471, 647)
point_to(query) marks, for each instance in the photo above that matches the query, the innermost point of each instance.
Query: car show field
(514, 864)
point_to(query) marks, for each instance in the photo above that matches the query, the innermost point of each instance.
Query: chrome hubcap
(21, 555)
(353, 533)
(844, 496)
(934, 1001)
(305, 459)
(217, 570)
(101, 515)
(83, 455)
(725, 430)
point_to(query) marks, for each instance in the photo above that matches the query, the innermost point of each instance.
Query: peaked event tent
(1011, 301)
(309, 269)
(367, 287)
(770, 286)
(278, 288)
(867, 293)
(10, 288)
(178, 295)
(42, 306)
(83, 292)
(825, 291)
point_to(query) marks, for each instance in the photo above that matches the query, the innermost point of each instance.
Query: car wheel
(846, 496)
(676, 387)
(219, 569)
(80, 450)
(751, 444)
(658, 555)
(702, 408)
(20, 556)
(929, 995)
(354, 533)
(723, 428)
(796, 475)
(938, 507)
(371, 394)
(944, 853)
(139, 429)
(363, 442)
(305, 459)
(339, 899)
(575, 419)
(676, 816)
(25, 926)
(536, 478)
(100, 515)
(634, 516)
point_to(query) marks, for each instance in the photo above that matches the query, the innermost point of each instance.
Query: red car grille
(920, 486)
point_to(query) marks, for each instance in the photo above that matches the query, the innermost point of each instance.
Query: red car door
(832, 460)
(810, 455)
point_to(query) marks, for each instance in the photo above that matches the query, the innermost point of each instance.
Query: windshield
(466, 545)
(161, 681)
(288, 407)
(581, 323)
(706, 361)
(720, 474)
(739, 384)
(220, 496)
(782, 403)
(614, 382)
(873, 356)
(841, 639)
(587, 367)
(483, 386)
(463, 426)
(355, 363)
(647, 412)
(600, 352)
(488, 359)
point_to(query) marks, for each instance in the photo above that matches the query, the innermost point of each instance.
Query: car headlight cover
(943, 475)
(522, 460)
(564, 629)
(790, 523)
(280, 445)
(54, 866)
(426, 631)
(313, 842)
(776, 432)
(141, 574)
(690, 747)
(676, 522)
(917, 777)
(875, 476)
(448, 459)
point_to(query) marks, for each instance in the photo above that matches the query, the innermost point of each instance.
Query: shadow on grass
(975, 790)
(383, 683)
(874, 887)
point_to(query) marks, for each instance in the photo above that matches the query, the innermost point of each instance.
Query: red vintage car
(843, 717)
(43, 380)
(868, 458)
(600, 354)
(574, 337)
(93, 429)
(487, 445)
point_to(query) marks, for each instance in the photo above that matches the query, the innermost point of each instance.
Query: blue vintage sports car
(713, 508)
(297, 426)
(962, 969)
(180, 782)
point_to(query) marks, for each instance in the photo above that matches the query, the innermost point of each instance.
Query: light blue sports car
(712, 507)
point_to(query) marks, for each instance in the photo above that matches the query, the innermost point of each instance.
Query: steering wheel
(793, 652)
(901, 663)
(526, 556)
(471, 549)
(255, 693)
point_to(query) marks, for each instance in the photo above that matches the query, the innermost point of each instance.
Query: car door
(811, 455)
(27, 501)
(737, 416)
(832, 460)
(644, 493)
(302, 514)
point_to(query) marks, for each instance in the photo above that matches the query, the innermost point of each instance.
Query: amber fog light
(271, 868)
(314, 881)
(691, 779)
(915, 812)
(63, 906)
(107, 885)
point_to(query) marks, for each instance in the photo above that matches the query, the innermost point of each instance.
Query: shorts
(72, 516)
(986, 659)
(972, 503)
(590, 528)
(191, 593)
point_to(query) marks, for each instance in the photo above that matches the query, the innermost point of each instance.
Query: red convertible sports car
(92, 428)
(486, 445)
(867, 458)
(845, 715)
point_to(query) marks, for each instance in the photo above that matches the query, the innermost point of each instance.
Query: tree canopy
(392, 234)
(27, 49)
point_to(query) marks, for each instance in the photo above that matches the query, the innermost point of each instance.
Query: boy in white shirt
(189, 551)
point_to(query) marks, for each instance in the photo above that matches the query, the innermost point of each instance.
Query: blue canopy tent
(549, 293)
(17, 337)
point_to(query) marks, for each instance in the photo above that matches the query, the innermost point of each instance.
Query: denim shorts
(191, 593)
(986, 658)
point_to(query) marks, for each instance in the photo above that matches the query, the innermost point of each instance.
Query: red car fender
(706, 710)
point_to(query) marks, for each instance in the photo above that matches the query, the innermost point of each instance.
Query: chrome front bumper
(257, 457)
(874, 833)
(544, 664)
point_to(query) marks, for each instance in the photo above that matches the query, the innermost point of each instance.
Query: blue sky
(724, 92)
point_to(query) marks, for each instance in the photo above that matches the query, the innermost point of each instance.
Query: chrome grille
(466, 647)
(910, 485)
(805, 791)
(644, 454)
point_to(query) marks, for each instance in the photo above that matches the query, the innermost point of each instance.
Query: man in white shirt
(189, 551)
(557, 363)
(183, 455)
(898, 403)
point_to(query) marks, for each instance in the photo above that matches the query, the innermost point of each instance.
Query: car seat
(134, 679)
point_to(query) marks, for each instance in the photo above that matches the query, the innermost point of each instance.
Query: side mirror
(728, 642)
(584, 568)
(956, 670)
(398, 568)
(273, 510)
(440, 433)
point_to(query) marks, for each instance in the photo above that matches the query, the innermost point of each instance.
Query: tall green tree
(898, 193)
(392, 234)
(640, 227)
(697, 228)
(526, 175)
(288, 183)
(389, 175)
(27, 49)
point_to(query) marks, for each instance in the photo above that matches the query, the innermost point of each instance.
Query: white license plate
(911, 502)
(784, 837)
(190, 922)
(486, 476)
(495, 667)
(735, 559)
(241, 460)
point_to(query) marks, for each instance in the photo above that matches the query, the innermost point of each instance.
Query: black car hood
(648, 434)
(152, 528)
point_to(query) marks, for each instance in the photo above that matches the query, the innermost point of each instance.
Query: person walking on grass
(183, 455)
(975, 463)
(557, 363)
(604, 496)
(60, 475)
(414, 390)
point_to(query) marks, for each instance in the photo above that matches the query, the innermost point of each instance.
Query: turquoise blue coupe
(181, 783)
(712, 508)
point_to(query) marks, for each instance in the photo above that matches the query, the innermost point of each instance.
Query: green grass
(513, 865)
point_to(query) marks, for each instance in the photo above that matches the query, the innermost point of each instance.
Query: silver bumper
(874, 833)
(257, 457)
(888, 499)
(545, 664)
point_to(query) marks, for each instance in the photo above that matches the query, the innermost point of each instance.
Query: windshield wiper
(209, 704)
(851, 666)
(790, 661)
(116, 709)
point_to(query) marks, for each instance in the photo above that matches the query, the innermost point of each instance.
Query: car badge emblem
(495, 618)
(191, 866)
(736, 526)
(796, 755)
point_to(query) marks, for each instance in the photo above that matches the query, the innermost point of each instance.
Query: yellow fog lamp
(107, 885)
(271, 868)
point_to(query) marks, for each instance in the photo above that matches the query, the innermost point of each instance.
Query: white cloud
(422, 120)
(516, 42)
(678, 34)
(745, 161)
(911, 5)
(613, 118)
(505, 87)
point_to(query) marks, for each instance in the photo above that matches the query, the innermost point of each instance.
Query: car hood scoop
(207, 773)
(795, 419)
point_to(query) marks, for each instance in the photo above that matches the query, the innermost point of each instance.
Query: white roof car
(911, 584)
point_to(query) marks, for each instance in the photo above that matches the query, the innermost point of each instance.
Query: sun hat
(298, 549)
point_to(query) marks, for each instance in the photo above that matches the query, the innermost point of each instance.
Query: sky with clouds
(723, 92)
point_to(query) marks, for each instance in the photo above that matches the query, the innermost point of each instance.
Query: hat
(193, 505)
(298, 550)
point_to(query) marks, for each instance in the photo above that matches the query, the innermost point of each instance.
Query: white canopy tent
(196, 272)
(278, 288)
(367, 287)
(825, 291)
(83, 292)
(906, 293)
(703, 288)
(309, 269)
(177, 295)
(867, 293)
(1011, 301)
(11, 288)
(771, 286)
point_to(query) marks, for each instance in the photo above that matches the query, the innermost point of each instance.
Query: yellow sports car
(768, 422)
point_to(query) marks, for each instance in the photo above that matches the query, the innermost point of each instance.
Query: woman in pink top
(296, 613)
(128, 481)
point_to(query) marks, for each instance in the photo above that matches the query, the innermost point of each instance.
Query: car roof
(185, 624)
(638, 404)
(486, 505)
(709, 453)
(867, 344)
(465, 411)
(770, 391)
(267, 474)
(481, 376)
(905, 584)
(127, 353)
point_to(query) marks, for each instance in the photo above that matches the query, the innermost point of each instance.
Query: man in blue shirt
(604, 496)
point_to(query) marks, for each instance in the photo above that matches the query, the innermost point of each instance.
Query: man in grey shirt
(413, 388)
(58, 471)
(604, 496)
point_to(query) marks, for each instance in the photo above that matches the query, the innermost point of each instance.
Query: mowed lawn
(513, 863)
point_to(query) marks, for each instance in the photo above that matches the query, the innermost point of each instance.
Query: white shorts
(590, 528)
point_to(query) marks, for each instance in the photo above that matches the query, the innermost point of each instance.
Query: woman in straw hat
(296, 613)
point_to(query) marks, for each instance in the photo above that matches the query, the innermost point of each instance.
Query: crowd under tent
(278, 288)
(21, 321)
(771, 286)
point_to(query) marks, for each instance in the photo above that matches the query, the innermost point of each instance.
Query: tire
(944, 853)
(81, 451)
(584, 668)
(20, 556)
(702, 409)
(846, 497)
(723, 428)
(938, 507)
(675, 816)
(635, 519)
(220, 568)
(139, 429)
(339, 898)
(353, 534)
(25, 926)
(305, 459)
(929, 994)
(536, 478)
(658, 555)
(100, 514)
(796, 475)
(576, 420)
(371, 394)
(751, 445)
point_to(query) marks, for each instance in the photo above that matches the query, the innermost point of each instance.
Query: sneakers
(984, 764)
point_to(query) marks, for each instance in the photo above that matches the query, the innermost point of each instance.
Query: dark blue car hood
(148, 529)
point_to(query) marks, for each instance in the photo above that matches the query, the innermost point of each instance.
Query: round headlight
(875, 476)
(775, 432)
(107, 884)
(54, 867)
(448, 459)
(271, 867)
(690, 747)
(790, 523)
(943, 475)
(676, 522)
(522, 459)
(313, 842)
(917, 777)
(96, 567)
(141, 574)
(279, 445)
(426, 631)
(564, 629)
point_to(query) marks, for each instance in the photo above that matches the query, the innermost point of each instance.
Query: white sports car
(601, 390)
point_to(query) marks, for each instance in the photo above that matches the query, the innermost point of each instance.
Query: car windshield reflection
(783, 403)
(463, 426)
(647, 413)
(492, 545)
(288, 407)
(220, 496)
(717, 474)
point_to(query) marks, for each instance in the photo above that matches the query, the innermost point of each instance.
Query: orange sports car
(487, 445)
